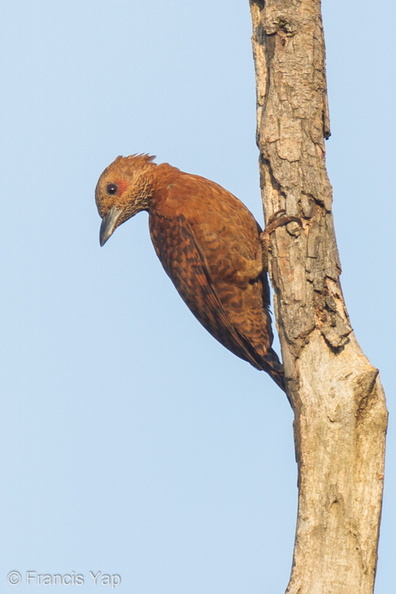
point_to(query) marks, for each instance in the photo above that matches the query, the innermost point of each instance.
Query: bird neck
(164, 175)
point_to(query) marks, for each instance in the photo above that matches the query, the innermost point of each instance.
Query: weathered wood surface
(340, 412)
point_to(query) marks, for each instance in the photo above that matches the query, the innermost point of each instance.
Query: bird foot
(278, 219)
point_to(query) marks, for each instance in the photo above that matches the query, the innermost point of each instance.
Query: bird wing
(183, 260)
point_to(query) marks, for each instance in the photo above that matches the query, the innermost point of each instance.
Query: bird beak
(109, 224)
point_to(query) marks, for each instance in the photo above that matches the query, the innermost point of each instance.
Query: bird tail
(274, 368)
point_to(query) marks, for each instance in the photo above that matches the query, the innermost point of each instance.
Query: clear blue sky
(132, 443)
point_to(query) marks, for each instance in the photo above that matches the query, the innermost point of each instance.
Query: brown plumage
(209, 244)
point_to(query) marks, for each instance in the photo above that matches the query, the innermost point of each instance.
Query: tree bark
(339, 405)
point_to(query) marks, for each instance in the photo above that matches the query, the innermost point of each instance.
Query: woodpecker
(208, 243)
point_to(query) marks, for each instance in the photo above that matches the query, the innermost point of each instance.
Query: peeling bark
(338, 401)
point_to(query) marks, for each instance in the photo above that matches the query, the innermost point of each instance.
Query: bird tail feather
(274, 368)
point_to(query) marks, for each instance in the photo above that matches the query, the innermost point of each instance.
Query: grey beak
(109, 224)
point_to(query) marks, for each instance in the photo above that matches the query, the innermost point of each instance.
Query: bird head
(124, 189)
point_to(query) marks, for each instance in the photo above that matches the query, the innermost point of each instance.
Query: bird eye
(111, 188)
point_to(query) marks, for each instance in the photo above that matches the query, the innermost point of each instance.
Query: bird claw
(278, 219)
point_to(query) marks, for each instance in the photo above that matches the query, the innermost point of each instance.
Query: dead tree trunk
(338, 401)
